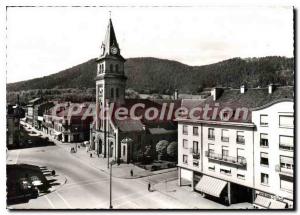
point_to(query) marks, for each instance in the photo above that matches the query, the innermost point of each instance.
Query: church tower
(110, 79)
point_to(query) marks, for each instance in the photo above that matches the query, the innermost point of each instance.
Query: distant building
(242, 159)
(13, 116)
(66, 127)
(29, 117)
(38, 112)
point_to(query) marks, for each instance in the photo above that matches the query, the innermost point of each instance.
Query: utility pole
(110, 187)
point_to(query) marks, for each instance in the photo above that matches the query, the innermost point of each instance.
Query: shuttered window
(286, 185)
(286, 121)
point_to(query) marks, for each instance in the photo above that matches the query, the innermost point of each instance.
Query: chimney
(242, 89)
(176, 94)
(216, 92)
(271, 88)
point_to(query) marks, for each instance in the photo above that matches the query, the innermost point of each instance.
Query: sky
(45, 40)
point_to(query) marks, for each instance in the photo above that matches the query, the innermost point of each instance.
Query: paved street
(87, 185)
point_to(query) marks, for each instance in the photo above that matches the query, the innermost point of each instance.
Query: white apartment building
(274, 153)
(221, 159)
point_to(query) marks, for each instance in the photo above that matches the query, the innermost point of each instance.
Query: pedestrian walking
(149, 186)
(91, 155)
(131, 172)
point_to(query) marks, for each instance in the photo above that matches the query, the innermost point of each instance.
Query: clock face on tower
(114, 50)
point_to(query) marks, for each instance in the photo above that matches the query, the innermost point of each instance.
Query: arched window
(112, 93)
(111, 68)
(117, 68)
(102, 68)
(117, 93)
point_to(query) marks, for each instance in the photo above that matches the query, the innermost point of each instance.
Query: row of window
(114, 93)
(285, 161)
(284, 120)
(211, 134)
(285, 142)
(112, 68)
(285, 184)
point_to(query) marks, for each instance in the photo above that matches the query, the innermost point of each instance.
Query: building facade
(231, 160)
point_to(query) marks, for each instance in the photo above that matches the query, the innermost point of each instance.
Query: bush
(172, 150)
(161, 148)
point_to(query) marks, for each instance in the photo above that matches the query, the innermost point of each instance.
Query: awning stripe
(277, 205)
(262, 201)
(211, 186)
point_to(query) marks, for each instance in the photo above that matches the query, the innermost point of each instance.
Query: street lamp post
(110, 187)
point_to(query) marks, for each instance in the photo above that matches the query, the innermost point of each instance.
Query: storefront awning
(211, 186)
(262, 201)
(277, 205)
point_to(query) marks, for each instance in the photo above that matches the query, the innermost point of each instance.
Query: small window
(195, 147)
(117, 68)
(264, 160)
(225, 135)
(263, 120)
(195, 131)
(240, 137)
(286, 121)
(264, 142)
(225, 171)
(240, 176)
(212, 168)
(117, 93)
(225, 152)
(185, 159)
(264, 178)
(112, 93)
(286, 142)
(286, 184)
(111, 68)
(185, 129)
(185, 144)
(211, 133)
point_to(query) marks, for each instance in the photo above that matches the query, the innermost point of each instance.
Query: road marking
(85, 181)
(83, 184)
(64, 200)
(18, 154)
(49, 201)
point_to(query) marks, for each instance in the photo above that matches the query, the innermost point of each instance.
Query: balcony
(284, 171)
(225, 139)
(240, 161)
(240, 140)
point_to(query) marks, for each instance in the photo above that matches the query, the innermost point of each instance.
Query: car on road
(23, 189)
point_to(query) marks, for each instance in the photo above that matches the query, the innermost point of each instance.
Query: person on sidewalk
(131, 173)
(149, 186)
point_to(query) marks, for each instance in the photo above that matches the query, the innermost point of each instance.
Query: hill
(152, 75)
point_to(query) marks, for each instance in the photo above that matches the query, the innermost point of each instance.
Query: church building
(123, 139)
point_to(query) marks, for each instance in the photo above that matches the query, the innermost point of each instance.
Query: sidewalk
(191, 198)
(119, 171)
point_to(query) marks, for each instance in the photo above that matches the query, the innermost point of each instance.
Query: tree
(172, 150)
(161, 148)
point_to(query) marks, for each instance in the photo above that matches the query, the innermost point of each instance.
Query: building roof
(160, 131)
(129, 125)
(34, 100)
(109, 42)
(253, 97)
(234, 99)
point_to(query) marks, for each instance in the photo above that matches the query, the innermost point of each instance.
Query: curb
(56, 188)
